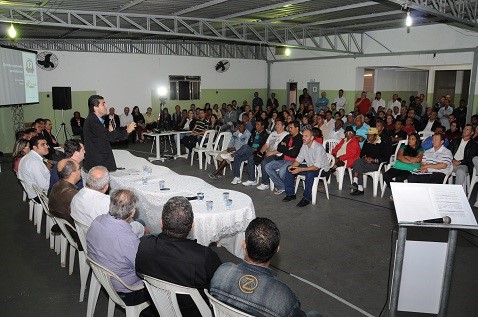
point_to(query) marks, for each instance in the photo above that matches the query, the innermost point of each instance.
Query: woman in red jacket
(347, 150)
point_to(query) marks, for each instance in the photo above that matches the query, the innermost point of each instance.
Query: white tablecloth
(226, 227)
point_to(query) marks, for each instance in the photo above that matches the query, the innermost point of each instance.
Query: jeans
(276, 171)
(309, 181)
(245, 153)
(264, 162)
(461, 171)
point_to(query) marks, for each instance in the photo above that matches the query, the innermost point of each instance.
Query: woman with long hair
(20, 149)
(138, 118)
(408, 158)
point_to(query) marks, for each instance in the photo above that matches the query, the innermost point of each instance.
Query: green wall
(45, 110)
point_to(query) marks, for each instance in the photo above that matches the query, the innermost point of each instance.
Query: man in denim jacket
(252, 286)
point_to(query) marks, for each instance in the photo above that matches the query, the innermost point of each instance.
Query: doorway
(291, 88)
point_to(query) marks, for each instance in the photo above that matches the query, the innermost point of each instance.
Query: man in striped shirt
(436, 163)
(200, 128)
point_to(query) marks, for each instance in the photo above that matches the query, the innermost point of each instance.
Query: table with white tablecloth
(221, 225)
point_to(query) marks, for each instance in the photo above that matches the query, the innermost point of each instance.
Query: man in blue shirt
(322, 102)
(252, 286)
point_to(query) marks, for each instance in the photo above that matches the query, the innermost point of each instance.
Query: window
(184, 87)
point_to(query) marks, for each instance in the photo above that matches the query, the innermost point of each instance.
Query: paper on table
(415, 202)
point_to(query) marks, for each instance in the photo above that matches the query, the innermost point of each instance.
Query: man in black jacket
(172, 257)
(290, 148)
(97, 138)
(246, 153)
(463, 150)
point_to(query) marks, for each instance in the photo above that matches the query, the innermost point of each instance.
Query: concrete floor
(340, 246)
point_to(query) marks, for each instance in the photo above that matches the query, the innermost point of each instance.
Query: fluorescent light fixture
(12, 33)
(287, 52)
(408, 19)
(367, 75)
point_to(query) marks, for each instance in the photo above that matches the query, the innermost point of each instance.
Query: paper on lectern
(416, 202)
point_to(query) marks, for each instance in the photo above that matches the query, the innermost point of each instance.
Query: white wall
(128, 79)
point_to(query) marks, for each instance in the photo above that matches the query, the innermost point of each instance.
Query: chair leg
(47, 227)
(71, 264)
(58, 243)
(111, 308)
(383, 189)
(327, 187)
(38, 211)
(24, 196)
(52, 241)
(200, 159)
(192, 157)
(63, 251)
(84, 270)
(314, 190)
(340, 174)
(31, 206)
(364, 181)
(93, 293)
(271, 185)
(297, 181)
(375, 179)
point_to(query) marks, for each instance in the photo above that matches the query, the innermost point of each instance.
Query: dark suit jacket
(179, 261)
(97, 143)
(107, 121)
(434, 125)
(76, 128)
(471, 150)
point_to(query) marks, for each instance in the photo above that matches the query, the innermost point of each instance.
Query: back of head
(66, 167)
(177, 217)
(18, 147)
(122, 203)
(98, 177)
(72, 146)
(262, 240)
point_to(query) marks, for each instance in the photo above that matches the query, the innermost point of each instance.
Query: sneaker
(249, 183)
(263, 187)
(236, 180)
(211, 176)
(357, 192)
(354, 186)
(279, 191)
(227, 156)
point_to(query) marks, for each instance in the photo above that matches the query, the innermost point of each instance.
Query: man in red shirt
(363, 104)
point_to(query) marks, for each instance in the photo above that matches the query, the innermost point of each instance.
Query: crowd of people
(430, 143)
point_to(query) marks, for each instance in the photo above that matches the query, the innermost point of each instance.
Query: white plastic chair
(84, 269)
(257, 171)
(393, 158)
(474, 180)
(330, 144)
(223, 310)
(222, 140)
(164, 297)
(35, 212)
(104, 276)
(466, 184)
(318, 178)
(201, 149)
(425, 134)
(377, 178)
(340, 174)
(50, 221)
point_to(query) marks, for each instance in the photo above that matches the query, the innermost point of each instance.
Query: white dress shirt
(341, 102)
(33, 171)
(125, 119)
(88, 204)
(377, 103)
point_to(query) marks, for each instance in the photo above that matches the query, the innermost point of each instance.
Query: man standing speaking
(97, 138)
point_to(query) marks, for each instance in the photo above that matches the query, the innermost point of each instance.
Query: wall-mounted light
(408, 20)
(287, 52)
(12, 33)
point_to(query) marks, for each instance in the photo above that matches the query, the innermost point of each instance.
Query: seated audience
(408, 158)
(266, 295)
(398, 134)
(229, 119)
(427, 143)
(269, 151)
(32, 169)
(289, 147)
(92, 200)
(430, 124)
(149, 119)
(336, 133)
(63, 191)
(138, 118)
(172, 257)
(311, 160)
(77, 123)
(454, 132)
(125, 118)
(373, 152)
(361, 129)
(20, 149)
(75, 150)
(239, 138)
(200, 127)
(347, 151)
(246, 153)
(436, 163)
(112, 243)
(112, 120)
(463, 150)
(50, 138)
(409, 127)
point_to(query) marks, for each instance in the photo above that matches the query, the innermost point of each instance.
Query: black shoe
(289, 198)
(303, 202)
(354, 186)
(357, 192)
